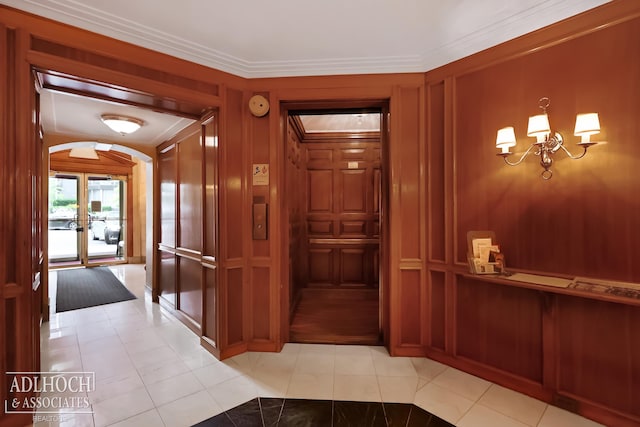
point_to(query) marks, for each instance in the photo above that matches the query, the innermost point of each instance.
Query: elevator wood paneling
(336, 316)
(342, 213)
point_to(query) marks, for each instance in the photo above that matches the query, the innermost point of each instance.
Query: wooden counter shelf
(573, 348)
(602, 296)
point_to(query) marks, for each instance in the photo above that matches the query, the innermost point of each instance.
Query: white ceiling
(257, 38)
(68, 114)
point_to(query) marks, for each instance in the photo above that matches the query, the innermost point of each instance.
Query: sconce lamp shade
(547, 142)
(122, 124)
(586, 125)
(506, 138)
(538, 125)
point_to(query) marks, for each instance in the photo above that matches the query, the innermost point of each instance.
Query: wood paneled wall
(441, 178)
(21, 218)
(341, 212)
(295, 183)
(584, 221)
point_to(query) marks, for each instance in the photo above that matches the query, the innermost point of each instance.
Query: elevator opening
(334, 181)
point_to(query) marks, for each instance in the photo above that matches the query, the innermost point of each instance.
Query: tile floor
(151, 371)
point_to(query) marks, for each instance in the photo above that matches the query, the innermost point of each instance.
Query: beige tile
(427, 368)
(217, 373)
(156, 355)
(174, 388)
(462, 383)
(155, 372)
(357, 388)
(481, 416)
(67, 359)
(189, 410)
(394, 366)
(93, 331)
(310, 386)
(315, 363)
(398, 389)
(280, 362)
(147, 340)
(516, 405)
(556, 417)
(198, 358)
(121, 407)
(233, 392)
(442, 402)
(353, 350)
(271, 383)
(106, 367)
(291, 348)
(115, 385)
(326, 349)
(146, 419)
(354, 364)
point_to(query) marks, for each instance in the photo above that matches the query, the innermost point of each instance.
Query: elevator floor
(336, 316)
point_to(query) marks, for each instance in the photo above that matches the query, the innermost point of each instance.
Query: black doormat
(88, 287)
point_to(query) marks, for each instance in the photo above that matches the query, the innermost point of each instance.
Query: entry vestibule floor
(151, 371)
(336, 316)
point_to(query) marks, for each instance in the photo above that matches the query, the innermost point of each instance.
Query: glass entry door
(86, 219)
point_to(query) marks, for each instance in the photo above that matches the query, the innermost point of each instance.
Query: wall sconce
(124, 125)
(548, 142)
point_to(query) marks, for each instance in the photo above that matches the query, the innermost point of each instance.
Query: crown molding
(75, 13)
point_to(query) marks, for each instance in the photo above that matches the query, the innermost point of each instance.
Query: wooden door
(342, 213)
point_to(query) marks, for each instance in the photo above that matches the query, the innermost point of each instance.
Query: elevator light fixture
(124, 125)
(548, 142)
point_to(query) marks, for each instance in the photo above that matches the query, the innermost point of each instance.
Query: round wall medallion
(258, 105)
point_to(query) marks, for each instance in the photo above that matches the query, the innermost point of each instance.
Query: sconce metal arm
(579, 156)
(524, 155)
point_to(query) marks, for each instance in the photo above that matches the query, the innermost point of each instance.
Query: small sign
(352, 165)
(260, 174)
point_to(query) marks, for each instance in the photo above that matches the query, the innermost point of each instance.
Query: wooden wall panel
(409, 178)
(295, 189)
(410, 300)
(190, 284)
(211, 205)
(235, 226)
(261, 303)
(167, 277)
(167, 171)
(234, 307)
(190, 165)
(407, 284)
(436, 172)
(211, 323)
(500, 326)
(588, 205)
(233, 177)
(342, 211)
(599, 352)
(437, 303)
(320, 191)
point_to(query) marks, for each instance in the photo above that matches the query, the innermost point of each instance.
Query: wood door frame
(382, 105)
(80, 83)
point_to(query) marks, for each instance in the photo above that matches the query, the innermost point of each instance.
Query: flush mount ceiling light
(124, 125)
(548, 142)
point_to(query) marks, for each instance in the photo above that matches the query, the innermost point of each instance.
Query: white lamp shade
(122, 124)
(538, 125)
(587, 124)
(506, 137)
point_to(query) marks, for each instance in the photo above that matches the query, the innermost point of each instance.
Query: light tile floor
(151, 371)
